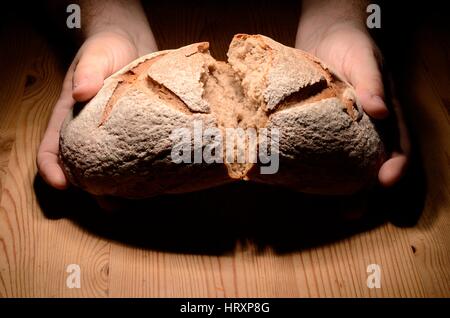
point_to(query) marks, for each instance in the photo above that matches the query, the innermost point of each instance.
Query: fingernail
(377, 99)
(77, 84)
(382, 111)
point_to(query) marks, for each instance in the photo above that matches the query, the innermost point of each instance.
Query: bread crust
(120, 142)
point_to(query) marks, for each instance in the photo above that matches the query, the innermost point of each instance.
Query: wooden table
(239, 241)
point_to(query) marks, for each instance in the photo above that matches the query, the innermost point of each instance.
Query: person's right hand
(101, 55)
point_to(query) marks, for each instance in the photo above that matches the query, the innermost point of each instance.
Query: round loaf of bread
(128, 140)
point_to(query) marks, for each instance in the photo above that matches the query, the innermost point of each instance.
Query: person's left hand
(348, 49)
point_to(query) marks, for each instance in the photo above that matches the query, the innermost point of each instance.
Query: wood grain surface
(236, 241)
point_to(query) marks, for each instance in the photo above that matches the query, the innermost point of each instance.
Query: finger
(404, 141)
(393, 169)
(47, 157)
(90, 72)
(365, 76)
(51, 171)
(373, 105)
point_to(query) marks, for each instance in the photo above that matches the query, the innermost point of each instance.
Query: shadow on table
(214, 220)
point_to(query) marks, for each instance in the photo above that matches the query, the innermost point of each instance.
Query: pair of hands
(346, 48)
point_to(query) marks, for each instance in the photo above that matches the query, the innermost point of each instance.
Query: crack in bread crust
(170, 98)
(124, 81)
(319, 91)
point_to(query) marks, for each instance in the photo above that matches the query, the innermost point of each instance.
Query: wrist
(140, 37)
(124, 18)
(313, 30)
(321, 17)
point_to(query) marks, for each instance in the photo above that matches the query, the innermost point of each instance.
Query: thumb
(365, 76)
(89, 74)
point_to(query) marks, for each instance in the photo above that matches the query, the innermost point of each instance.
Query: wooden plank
(35, 251)
(35, 248)
(429, 110)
